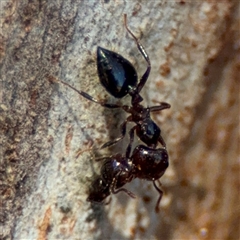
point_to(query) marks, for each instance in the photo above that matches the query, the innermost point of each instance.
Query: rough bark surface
(194, 49)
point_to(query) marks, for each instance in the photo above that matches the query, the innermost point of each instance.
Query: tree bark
(195, 67)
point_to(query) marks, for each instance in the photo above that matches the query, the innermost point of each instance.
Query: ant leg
(162, 106)
(144, 54)
(113, 186)
(123, 133)
(129, 193)
(131, 137)
(160, 196)
(160, 139)
(102, 158)
(87, 96)
(107, 202)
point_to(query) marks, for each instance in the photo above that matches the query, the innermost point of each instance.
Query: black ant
(119, 78)
(117, 170)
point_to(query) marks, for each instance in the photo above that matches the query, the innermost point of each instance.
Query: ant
(117, 170)
(119, 78)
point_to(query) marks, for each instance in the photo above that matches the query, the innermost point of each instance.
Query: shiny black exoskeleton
(145, 163)
(115, 172)
(116, 73)
(149, 164)
(119, 78)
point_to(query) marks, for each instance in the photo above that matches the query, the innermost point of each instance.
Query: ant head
(99, 191)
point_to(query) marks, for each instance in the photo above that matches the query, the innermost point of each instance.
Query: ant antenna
(139, 45)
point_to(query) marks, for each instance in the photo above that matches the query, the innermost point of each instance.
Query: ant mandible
(119, 78)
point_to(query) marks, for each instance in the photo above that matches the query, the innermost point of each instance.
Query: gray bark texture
(194, 51)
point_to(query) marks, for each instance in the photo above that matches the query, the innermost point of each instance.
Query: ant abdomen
(116, 73)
